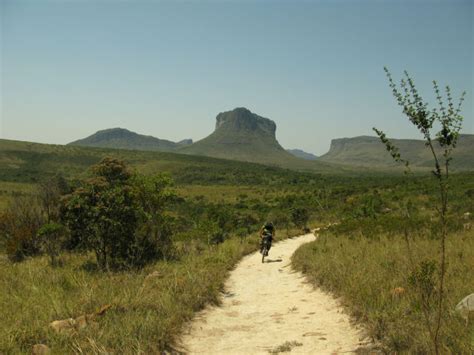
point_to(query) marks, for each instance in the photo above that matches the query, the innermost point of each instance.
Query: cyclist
(267, 232)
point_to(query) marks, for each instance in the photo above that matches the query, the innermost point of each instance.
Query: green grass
(363, 263)
(146, 315)
(365, 272)
(10, 190)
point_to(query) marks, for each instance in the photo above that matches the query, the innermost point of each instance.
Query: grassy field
(362, 259)
(366, 273)
(147, 313)
(365, 260)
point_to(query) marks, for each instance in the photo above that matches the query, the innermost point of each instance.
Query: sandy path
(266, 305)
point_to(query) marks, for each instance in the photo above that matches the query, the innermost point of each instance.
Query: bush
(300, 217)
(19, 226)
(51, 237)
(120, 216)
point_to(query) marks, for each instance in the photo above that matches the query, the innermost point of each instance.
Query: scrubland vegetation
(214, 215)
(169, 247)
(124, 255)
(404, 270)
(364, 259)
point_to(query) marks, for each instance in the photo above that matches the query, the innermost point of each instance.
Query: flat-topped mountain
(370, 152)
(121, 138)
(241, 135)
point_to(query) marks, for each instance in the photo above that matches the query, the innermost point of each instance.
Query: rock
(241, 119)
(40, 349)
(397, 291)
(80, 322)
(64, 325)
(153, 275)
(103, 309)
(466, 307)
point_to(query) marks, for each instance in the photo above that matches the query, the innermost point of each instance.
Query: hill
(26, 162)
(242, 135)
(121, 138)
(302, 154)
(368, 151)
(239, 135)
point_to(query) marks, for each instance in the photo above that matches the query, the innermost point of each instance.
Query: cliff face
(241, 135)
(241, 119)
(369, 151)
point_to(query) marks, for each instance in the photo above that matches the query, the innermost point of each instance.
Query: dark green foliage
(300, 217)
(154, 195)
(19, 226)
(24, 216)
(119, 216)
(51, 237)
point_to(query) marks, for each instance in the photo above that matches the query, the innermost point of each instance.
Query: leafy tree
(119, 215)
(449, 120)
(51, 237)
(153, 194)
(49, 195)
(300, 217)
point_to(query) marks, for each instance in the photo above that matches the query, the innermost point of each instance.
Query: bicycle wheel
(264, 252)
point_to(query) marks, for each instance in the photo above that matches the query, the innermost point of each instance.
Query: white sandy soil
(266, 305)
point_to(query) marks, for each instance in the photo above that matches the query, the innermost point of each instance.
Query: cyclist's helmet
(269, 225)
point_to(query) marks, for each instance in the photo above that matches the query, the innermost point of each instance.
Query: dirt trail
(267, 305)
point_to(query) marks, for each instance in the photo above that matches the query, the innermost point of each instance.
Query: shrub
(51, 237)
(19, 227)
(120, 216)
(300, 217)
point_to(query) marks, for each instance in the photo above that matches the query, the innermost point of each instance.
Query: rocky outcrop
(242, 119)
(40, 349)
(466, 307)
(370, 152)
(242, 135)
(74, 324)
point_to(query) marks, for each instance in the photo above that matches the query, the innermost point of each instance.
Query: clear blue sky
(166, 68)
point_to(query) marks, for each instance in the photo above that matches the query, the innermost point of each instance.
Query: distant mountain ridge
(121, 138)
(370, 152)
(242, 135)
(302, 154)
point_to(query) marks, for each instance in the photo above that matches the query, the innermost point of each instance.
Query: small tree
(19, 225)
(450, 122)
(49, 195)
(51, 238)
(300, 217)
(153, 194)
(120, 216)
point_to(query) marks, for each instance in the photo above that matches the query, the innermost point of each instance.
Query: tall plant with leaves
(447, 118)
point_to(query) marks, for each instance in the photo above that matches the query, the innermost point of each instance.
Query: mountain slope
(121, 138)
(242, 135)
(302, 154)
(370, 152)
